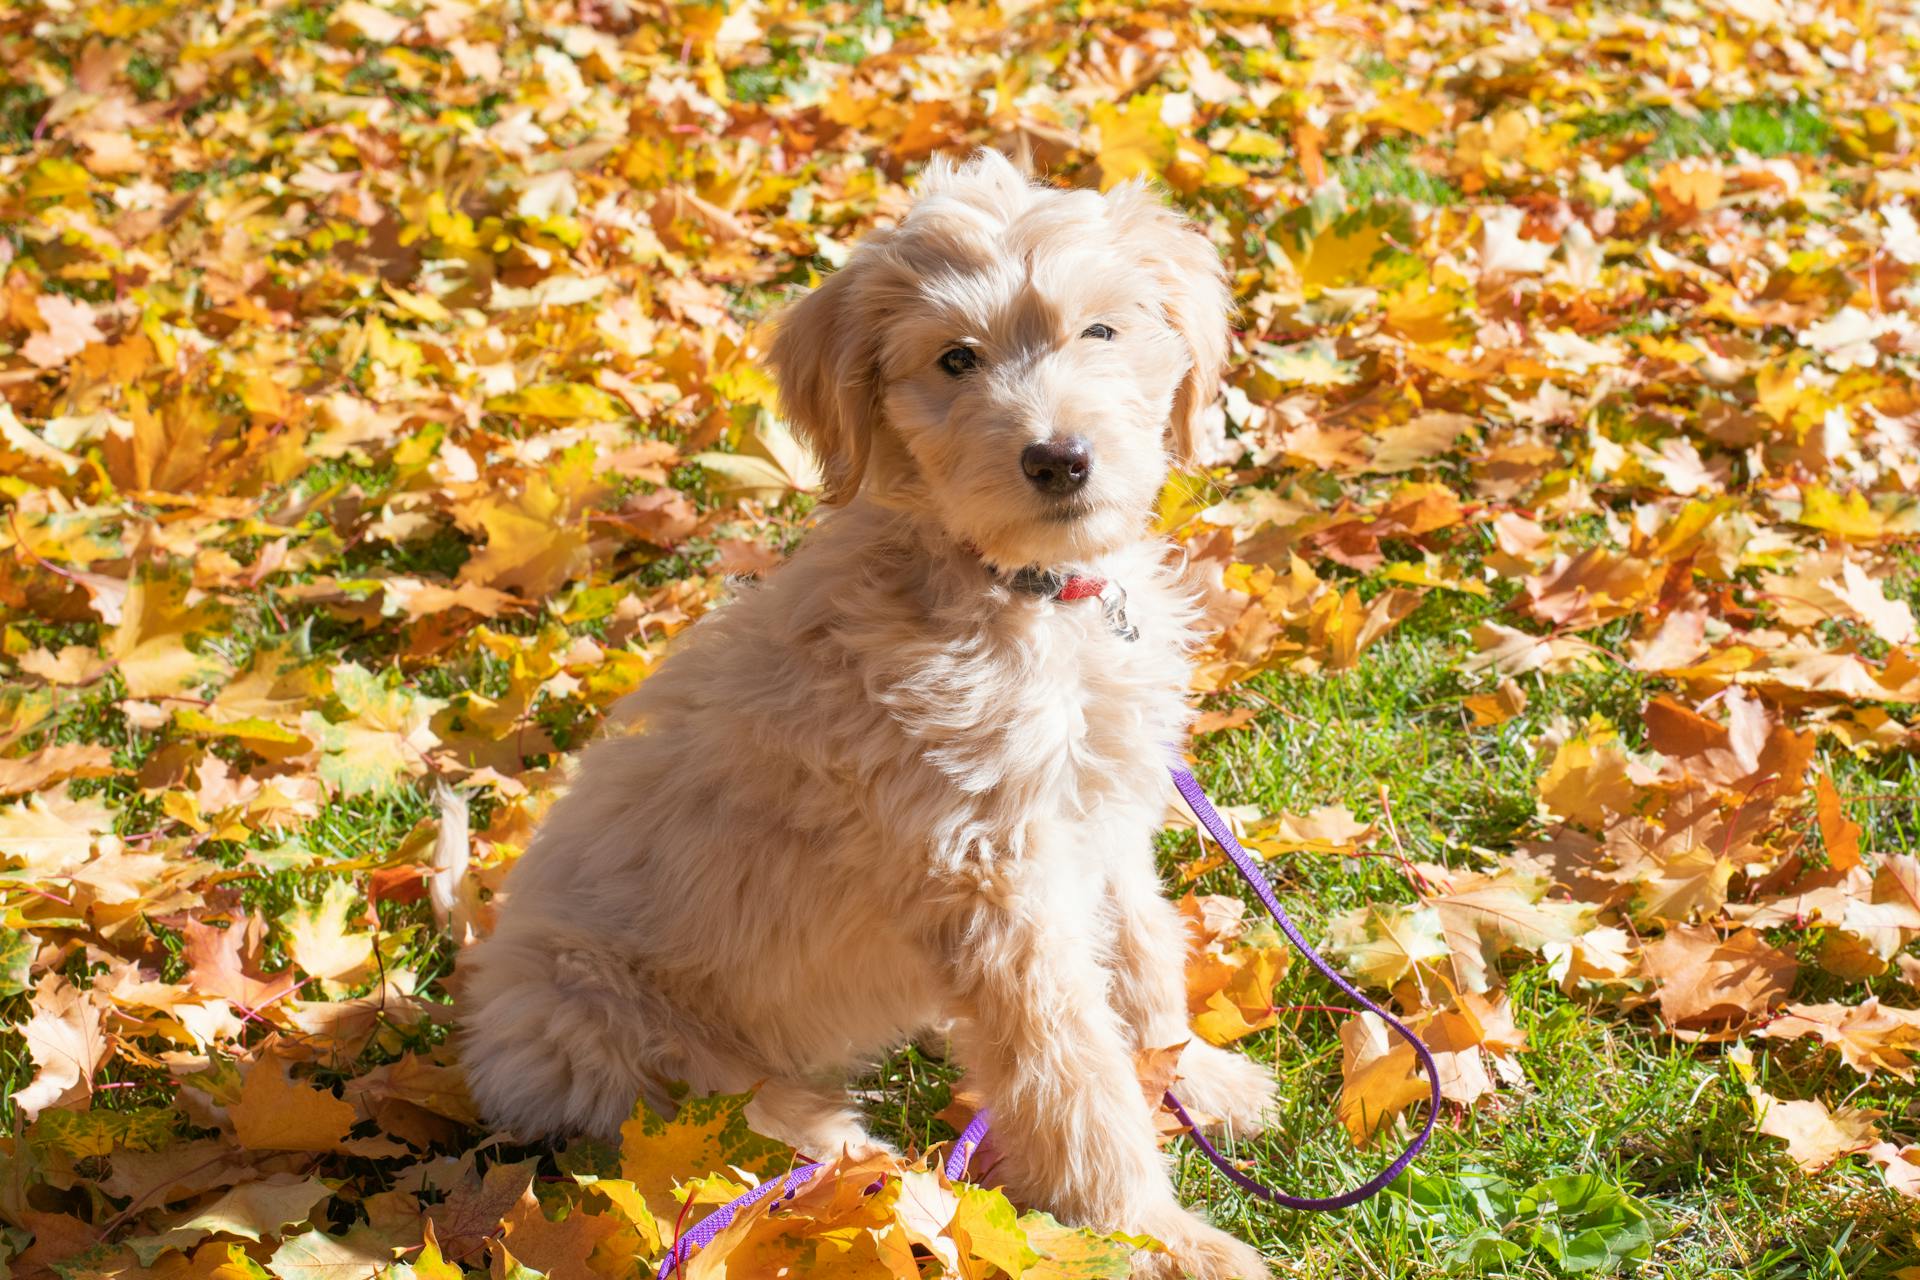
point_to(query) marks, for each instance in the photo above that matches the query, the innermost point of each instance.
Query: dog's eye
(957, 360)
(1100, 331)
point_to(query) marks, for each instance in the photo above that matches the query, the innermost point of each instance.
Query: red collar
(1056, 584)
(1081, 587)
(1048, 584)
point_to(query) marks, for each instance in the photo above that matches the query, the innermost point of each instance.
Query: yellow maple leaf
(1850, 517)
(1134, 141)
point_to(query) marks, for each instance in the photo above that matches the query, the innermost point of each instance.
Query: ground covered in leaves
(379, 398)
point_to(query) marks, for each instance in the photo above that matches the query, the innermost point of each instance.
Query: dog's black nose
(1059, 465)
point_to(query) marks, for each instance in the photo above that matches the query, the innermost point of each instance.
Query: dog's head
(1018, 361)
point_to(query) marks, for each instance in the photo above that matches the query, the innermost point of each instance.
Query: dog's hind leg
(556, 1042)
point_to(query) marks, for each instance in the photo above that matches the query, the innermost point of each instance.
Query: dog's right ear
(824, 357)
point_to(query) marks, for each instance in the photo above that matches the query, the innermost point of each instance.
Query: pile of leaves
(380, 396)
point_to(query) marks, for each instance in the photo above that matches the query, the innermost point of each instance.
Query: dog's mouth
(1069, 510)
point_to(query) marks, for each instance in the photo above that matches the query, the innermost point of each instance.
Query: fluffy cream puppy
(909, 781)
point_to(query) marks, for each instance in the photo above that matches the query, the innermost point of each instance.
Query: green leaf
(1585, 1223)
(98, 1133)
(17, 951)
(1072, 1253)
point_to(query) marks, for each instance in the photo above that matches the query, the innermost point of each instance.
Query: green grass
(1387, 172)
(1604, 1092)
(1763, 128)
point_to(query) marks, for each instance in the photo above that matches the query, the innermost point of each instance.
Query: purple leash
(1249, 870)
(720, 1219)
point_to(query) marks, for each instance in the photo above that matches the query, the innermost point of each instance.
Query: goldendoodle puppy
(913, 779)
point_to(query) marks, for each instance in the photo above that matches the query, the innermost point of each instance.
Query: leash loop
(1249, 870)
(787, 1184)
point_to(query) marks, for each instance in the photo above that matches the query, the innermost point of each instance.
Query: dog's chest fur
(998, 713)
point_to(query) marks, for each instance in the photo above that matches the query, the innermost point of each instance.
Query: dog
(913, 778)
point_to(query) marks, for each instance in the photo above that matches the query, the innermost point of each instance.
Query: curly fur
(884, 791)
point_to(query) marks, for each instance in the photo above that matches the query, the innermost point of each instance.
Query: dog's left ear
(1193, 294)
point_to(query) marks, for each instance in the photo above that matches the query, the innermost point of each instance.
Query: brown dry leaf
(67, 1041)
(70, 326)
(1330, 829)
(1484, 917)
(1580, 591)
(1869, 1036)
(1492, 709)
(277, 1113)
(216, 965)
(1838, 833)
(1378, 1079)
(74, 664)
(1866, 599)
(1511, 652)
(1701, 979)
(54, 764)
(1815, 1136)
(560, 1249)
(472, 1211)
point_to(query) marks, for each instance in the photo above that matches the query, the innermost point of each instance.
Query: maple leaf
(1869, 1036)
(1701, 979)
(1135, 140)
(319, 938)
(252, 1211)
(1866, 599)
(49, 835)
(1381, 945)
(1243, 1001)
(1581, 591)
(67, 1041)
(1815, 1136)
(705, 1134)
(216, 965)
(157, 648)
(384, 734)
(314, 1255)
(1377, 1076)
(1483, 917)
(1587, 780)
(535, 536)
(70, 327)
(556, 1248)
(472, 1211)
(1838, 833)
(278, 1113)
(1513, 652)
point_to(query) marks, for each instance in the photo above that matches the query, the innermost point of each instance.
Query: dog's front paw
(1230, 1087)
(1198, 1251)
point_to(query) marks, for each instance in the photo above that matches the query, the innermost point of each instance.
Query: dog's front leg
(1150, 942)
(1070, 1122)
